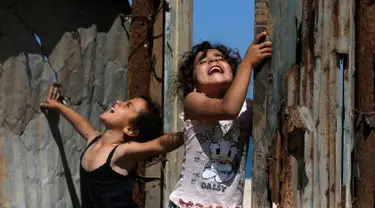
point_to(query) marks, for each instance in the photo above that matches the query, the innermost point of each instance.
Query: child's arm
(161, 145)
(80, 124)
(200, 107)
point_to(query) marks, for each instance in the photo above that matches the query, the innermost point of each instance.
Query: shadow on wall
(20, 19)
(53, 121)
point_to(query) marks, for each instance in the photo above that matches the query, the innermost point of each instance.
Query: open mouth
(214, 70)
(112, 109)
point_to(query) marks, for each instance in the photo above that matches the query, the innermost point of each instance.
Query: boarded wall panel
(178, 40)
(271, 16)
(309, 83)
(154, 189)
(260, 135)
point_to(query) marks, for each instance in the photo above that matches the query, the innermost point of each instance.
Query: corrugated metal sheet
(88, 49)
(305, 112)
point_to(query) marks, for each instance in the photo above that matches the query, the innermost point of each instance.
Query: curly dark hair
(149, 123)
(150, 126)
(184, 83)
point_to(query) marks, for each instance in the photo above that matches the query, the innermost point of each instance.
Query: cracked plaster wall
(87, 45)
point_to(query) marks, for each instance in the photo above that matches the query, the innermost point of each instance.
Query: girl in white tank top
(217, 123)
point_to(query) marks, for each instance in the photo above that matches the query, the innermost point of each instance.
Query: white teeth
(214, 68)
(111, 110)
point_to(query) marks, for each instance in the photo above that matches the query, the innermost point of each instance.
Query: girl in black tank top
(110, 158)
(104, 187)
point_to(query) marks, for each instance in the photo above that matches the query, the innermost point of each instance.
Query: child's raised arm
(80, 124)
(161, 145)
(200, 107)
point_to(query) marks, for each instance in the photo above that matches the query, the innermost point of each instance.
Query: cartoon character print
(221, 168)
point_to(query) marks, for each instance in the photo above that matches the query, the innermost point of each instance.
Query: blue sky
(227, 22)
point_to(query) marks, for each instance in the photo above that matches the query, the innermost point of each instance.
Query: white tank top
(213, 173)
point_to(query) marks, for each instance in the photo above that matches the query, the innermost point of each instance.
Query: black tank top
(104, 187)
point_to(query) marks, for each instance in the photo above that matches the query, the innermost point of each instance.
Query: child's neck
(216, 93)
(112, 136)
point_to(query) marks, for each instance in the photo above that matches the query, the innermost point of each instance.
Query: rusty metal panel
(271, 16)
(313, 167)
(290, 121)
(141, 48)
(365, 181)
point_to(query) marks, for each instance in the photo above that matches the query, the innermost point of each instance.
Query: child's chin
(104, 116)
(222, 80)
(105, 122)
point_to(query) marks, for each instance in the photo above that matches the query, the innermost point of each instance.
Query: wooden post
(154, 188)
(178, 40)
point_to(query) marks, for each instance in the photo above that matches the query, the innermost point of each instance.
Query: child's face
(211, 70)
(122, 113)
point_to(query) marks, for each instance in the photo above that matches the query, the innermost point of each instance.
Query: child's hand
(258, 51)
(52, 101)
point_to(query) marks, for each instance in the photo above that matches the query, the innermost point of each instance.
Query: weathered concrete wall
(87, 46)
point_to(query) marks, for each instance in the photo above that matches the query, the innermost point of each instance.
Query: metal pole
(140, 66)
(141, 48)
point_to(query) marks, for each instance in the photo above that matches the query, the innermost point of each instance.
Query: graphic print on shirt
(220, 167)
(220, 145)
